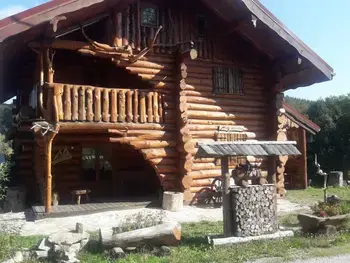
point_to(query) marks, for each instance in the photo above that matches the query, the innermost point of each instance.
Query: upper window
(201, 25)
(149, 16)
(227, 81)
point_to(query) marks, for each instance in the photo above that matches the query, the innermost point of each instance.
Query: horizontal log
(149, 71)
(226, 101)
(227, 109)
(143, 144)
(164, 161)
(202, 183)
(210, 134)
(148, 64)
(159, 153)
(203, 160)
(161, 168)
(168, 234)
(98, 127)
(202, 174)
(204, 166)
(223, 116)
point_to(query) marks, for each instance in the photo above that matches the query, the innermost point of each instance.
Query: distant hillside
(301, 105)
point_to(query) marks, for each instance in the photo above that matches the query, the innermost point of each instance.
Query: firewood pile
(254, 210)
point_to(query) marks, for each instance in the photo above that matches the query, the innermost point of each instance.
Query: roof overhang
(299, 64)
(269, 36)
(247, 148)
(300, 119)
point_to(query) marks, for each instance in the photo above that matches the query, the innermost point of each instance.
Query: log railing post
(155, 107)
(82, 112)
(75, 106)
(121, 104)
(142, 107)
(67, 103)
(160, 104)
(150, 107)
(105, 105)
(114, 105)
(97, 104)
(59, 95)
(136, 106)
(129, 106)
(89, 105)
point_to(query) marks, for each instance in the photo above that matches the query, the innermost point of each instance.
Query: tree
(5, 148)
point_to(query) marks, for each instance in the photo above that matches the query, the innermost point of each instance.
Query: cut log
(168, 234)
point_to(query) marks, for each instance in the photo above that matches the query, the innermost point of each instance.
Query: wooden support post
(304, 157)
(121, 104)
(114, 111)
(48, 158)
(97, 116)
(226, 197)
(89, 105)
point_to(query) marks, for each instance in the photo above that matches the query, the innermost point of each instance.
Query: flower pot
(315, 224)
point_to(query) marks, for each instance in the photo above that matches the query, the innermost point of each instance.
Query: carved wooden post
(121, 104)
(150, 107)
(281, 136)
(105, 105)
(136, 106)
(89, 105)
(97, 103)
(155, 107)
(114, 112)
(142, 107)
(129, 106)
(67, 103)
(226, 196)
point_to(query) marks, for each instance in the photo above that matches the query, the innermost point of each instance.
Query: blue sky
(322, 24)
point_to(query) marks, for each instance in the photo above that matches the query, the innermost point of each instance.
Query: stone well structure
(254, 210)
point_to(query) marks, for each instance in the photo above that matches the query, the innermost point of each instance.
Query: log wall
(204, 112)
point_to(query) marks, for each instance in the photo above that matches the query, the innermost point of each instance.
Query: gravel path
(16, 222)
(335, 259)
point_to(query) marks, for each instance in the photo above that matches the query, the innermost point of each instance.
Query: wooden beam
(226, 197)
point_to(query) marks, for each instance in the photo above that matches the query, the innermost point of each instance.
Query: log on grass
(168, 234)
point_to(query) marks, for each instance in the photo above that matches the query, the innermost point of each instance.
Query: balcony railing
(95, 104)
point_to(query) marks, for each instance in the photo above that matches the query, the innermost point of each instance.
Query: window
(149, 16)
(227, 81)
(201, 25)
(95, 165)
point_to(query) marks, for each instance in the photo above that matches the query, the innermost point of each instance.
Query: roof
(301, 65)
(247, 148)
(300, 119)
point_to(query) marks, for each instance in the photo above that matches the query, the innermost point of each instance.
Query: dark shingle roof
(247, 148)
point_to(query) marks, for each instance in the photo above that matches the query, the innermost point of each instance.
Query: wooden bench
(76, 195)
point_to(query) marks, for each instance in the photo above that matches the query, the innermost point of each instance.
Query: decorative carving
(61, 156)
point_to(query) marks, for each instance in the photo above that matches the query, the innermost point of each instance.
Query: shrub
(140, 220)
(5, 167)
(324, 209)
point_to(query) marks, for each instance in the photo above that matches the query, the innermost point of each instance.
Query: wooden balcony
(78, 103)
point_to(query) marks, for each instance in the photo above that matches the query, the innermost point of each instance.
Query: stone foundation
(254, 210)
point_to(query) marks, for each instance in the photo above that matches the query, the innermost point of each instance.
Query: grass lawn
(312, 195)
(194, 247)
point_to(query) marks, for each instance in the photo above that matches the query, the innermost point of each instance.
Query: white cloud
(11, 10)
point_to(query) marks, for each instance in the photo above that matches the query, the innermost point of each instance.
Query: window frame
(145, 6)
(97, 162)
(230, 73)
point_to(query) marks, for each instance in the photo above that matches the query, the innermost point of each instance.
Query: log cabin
(299, 129)
(114, 95)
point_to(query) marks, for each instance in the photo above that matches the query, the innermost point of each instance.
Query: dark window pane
(227, 81)
(149, 16)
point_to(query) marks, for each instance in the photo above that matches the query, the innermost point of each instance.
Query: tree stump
(172, 201)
